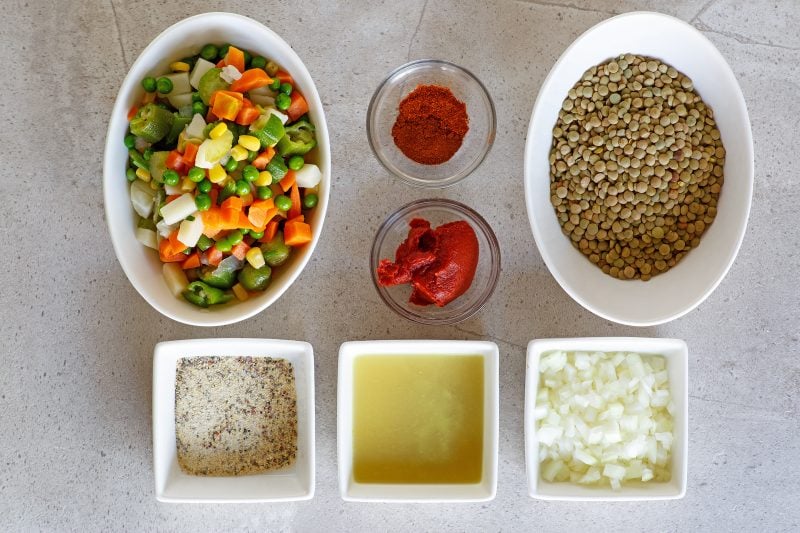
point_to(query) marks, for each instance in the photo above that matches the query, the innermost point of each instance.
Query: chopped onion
(142, 198)
(230, 73)
(195, 128)
(264, 100)
(283, 118)
(604, 418)
(308, 176)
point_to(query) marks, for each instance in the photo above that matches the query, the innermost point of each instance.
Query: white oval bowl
(681, 289)
(141, 264)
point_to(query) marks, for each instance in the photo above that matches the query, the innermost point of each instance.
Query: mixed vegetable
(218, 172)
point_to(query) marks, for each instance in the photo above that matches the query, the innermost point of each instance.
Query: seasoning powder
(235, 415)
(431, 125)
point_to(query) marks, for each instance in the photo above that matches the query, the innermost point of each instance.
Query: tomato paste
(438, 263)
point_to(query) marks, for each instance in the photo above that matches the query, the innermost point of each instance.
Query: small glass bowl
(438, 211)
(383, 109)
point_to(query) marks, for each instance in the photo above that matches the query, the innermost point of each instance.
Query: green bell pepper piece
(203, 295)
(298, 140)
(204, 243)
(178, 125)
(152, 123)
(277, 167)
(268, 129)
(223, 276)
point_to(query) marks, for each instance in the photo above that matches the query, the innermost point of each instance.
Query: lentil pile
(235, 415)
(636, 166)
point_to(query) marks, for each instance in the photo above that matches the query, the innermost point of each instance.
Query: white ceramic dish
(141, 264)
(354, 491)
(684, 287)
(173, 485)
(677, 356)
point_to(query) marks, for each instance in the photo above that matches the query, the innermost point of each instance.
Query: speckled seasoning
(235, 415)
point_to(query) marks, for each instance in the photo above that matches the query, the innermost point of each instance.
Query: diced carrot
(296, 233)
(288, 180)
(298, 218)
(226, 106)
(220, 63)
(264, 158)
(297, 206)
(229, 218)
(285, 77)
(257, 214)
(132, 111)
(176, 162)
(298, 106)
(214, 256)
(240, 250)
(248, 114)
(190, 153)
(167, 254)
(211, 117)
(244, 222)
(193, 261)
(239, 96)
(235, 57)
(270, 231)
(233, 202)
(251, 79)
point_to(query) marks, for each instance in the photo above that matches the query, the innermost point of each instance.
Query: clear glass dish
(437, 211)
(383, 110)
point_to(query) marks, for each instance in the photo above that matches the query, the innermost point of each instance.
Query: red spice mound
(431, 125)
(439, 263)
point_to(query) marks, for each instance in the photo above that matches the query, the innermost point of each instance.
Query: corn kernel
(264, 178)
(240, 292)
(143, 174)
(179, 66)
(187, 185)
(238, 152)
(249, 142)
(255, 257)
(216, 174)
(218, 131)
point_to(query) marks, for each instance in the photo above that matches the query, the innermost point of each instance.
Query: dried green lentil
(637, 152)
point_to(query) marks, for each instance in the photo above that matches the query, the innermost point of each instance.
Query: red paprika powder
(431, 125)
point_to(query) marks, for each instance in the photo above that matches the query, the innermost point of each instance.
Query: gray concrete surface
(77, 340)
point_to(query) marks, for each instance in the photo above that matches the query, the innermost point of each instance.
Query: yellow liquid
(418, 419)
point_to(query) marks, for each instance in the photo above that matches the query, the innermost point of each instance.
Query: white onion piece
(308, 176)
(230, 73)
(264, 100)
(604, 418)
(142, 198)
(195, 128)
(147, 237)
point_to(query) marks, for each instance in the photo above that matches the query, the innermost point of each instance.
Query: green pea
(209, 52)
(196, 174)
(242, 187)
(250, 173)
(286, 88)
(130, 141)
(204, 186)
(256, 234)
(296, 162)
(248, 57)
(258, 62)
(196, 97)
(131, 175)
(149, 84)
(147, 154)
(310, 201)
(275, 85)
(202, 201)
(235, 237)
(283, 202)
(199, 108)
(171, 177)
(231, 165)
(264, 193)
(251, 155)
(164, 85)
(224, 245)
(229, 189)
(223, 51)
(283, 102)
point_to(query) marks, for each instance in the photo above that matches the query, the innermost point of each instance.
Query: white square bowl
(676, 354)
(411, 492)
(173, 485)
